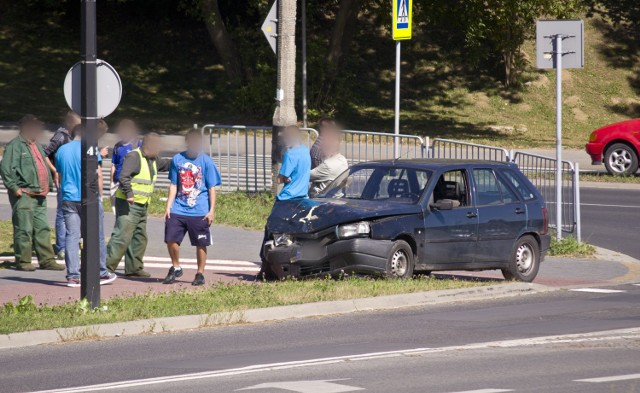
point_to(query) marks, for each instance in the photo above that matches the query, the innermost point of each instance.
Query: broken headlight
(282, 240)
(358, 229)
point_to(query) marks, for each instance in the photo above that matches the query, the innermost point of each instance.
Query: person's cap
(29, 120)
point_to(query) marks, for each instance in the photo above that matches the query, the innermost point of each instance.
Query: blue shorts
(198, 228)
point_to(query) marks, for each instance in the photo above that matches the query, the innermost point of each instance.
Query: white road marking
(637, 285)
(596, 290)
(193, 260)
(210, 267)
(620, 334)
(601, 205)
(327, 386)
(610, 379)
(487, 391)
(187, 263)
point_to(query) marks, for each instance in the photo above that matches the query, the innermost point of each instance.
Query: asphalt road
(427, 350)
(611, 219)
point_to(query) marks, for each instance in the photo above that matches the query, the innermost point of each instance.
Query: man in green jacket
(27, 178)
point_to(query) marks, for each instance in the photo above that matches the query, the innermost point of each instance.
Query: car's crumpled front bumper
(359, 255)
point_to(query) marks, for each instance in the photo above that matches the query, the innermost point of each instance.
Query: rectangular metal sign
(572, 32)
(402, 19)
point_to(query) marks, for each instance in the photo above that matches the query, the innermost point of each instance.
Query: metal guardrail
(447, 148)
(541, 171)
(243, 155)
(361, 146)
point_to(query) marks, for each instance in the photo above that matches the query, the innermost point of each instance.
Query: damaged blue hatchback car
(398, 218)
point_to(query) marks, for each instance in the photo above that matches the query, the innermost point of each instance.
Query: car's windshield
(375, 183)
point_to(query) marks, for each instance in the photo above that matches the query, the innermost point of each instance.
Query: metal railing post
(576, 201)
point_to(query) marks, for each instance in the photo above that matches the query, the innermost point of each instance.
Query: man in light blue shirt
(296, 167)
(295, 175)
(68, 167)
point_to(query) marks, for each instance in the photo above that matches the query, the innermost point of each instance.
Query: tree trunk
(341, 37)
(222, 40)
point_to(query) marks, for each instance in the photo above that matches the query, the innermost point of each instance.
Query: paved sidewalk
(234, 257)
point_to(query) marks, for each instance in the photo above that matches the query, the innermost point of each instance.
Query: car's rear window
(391, 184)
(519, 185)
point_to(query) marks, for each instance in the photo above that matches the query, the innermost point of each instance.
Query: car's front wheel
(400, 262)
(621, 160)
(525, 260)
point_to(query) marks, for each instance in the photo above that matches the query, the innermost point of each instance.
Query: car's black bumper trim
(360, 255)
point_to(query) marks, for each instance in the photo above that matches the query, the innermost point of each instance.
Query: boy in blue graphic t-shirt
(191, 205)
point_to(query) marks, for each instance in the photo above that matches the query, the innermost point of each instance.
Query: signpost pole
(396, 141)
(558, 54)
(305, 105)
(90, 265)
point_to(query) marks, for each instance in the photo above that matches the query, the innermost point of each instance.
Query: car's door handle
(472, 215)
(520, 211)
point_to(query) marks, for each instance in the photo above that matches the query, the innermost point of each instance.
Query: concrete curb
(631, 263)
(272, 314)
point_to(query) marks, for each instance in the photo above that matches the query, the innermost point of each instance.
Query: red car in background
(618, 146)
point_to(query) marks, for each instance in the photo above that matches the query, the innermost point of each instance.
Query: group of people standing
(30, 172)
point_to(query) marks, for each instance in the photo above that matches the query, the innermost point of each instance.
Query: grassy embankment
(173, 79)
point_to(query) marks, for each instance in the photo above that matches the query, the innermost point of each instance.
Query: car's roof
(433, 163)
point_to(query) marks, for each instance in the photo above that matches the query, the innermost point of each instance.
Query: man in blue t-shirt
(68, 166)
(295, 174)
(191, 205)
(296, 167)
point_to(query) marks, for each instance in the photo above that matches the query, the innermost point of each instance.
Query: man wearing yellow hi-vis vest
(137, 180)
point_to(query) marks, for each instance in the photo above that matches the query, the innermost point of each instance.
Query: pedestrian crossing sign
(402, 19)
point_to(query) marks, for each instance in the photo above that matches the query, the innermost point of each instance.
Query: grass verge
(6, 237)
(606, 178)
(27, 316)
(570, 247)
(232, 209)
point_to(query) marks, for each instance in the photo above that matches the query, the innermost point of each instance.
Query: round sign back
(109, 88)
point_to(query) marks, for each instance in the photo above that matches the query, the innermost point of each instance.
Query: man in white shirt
(332, 165)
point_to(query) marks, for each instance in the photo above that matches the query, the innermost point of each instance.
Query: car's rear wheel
(400, 262)
(525, 260)
(621, 160)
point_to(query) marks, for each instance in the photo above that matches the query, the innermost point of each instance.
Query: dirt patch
(480, 100)
(542, 81)
(573, 101)
(524, 107)
(579, 114)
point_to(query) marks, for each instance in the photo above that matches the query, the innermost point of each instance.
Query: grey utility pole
(90, 265)
(305, 104)
(285, 114)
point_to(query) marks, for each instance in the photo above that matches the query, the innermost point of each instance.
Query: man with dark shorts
(191, 205)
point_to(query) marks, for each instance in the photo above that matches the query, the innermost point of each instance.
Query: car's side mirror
(442, 204)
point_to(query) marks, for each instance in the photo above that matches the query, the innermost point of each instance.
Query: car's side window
(508, 196)
(487, 188)
(522, 188)
(452, 185)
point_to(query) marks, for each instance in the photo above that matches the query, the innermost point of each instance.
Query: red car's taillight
(545, 221)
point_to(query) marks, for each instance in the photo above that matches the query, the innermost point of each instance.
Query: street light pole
(90, 265)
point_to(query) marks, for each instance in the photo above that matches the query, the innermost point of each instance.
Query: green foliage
(570, 247)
